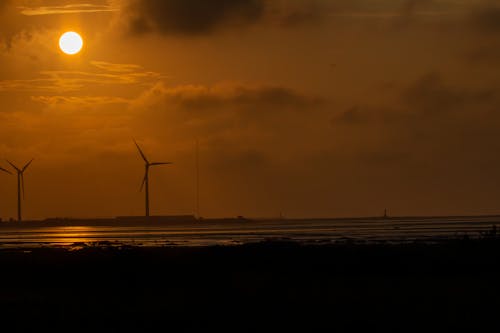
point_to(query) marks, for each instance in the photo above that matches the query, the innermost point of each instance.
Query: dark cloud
(228, 113)
(191, 17)
(296, 13)
(480, 30)
(487, 18)
(431, 94)
(429, 98)
(429, 123)
(197, 17)
(233, 97)
(299, 17)
(351, 116)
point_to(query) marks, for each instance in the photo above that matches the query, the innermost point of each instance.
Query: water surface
(208, 232)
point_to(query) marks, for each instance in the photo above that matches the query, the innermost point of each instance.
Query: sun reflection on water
(73, 234)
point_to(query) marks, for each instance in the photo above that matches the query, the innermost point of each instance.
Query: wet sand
(276, 286)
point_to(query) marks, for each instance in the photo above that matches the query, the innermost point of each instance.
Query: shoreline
(181, 220)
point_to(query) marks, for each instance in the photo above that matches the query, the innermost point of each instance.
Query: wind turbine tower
(145, 181)
(5, 170)
(20, 186)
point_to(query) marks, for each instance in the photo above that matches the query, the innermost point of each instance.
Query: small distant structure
(159, 218)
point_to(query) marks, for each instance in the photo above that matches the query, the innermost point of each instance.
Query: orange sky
(308, 108)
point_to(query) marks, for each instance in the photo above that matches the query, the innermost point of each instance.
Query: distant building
(167, 218)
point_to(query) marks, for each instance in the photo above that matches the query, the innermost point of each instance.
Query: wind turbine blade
(142, 154)
(143, 182)
(5, 170)
(13, 165)
(160, 163)
(27, 165)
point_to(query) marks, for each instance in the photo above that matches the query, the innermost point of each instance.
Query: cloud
(120, 68)
(238, 119)
(430, 124)
(67, 9)
(113, 74)
(191, 17)
(486, 17)
(432, 95)
(481, 28)
(79, 101)
(295, 13)
(233, 117)
(352, 115)
(199, 18)
(424, 102)
(227, 99)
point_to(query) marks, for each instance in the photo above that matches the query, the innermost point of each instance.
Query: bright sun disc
(70, 42)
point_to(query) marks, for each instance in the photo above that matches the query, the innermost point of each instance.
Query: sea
(237, 231)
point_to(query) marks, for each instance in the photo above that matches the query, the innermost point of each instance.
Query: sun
(71, 42)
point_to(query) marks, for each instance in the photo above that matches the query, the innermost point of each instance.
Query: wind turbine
(145, 181)
(20, 185)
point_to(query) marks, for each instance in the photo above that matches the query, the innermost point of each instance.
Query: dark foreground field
(268, 286)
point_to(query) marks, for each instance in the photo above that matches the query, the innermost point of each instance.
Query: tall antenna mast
(197, 179)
